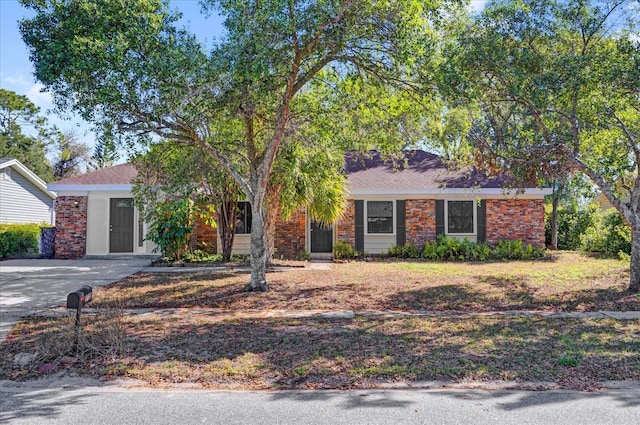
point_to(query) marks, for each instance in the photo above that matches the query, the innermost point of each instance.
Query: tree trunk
(272, 212)
(634, 284)
(258, 250)
(554, 219)
(226, 219)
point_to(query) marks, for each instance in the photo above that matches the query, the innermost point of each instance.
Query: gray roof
(116, 175)
(414, 171)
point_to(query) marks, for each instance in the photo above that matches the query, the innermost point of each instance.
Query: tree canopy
(557, 85)
(131, 66)
(24, 134)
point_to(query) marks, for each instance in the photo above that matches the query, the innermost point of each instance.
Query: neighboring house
(410, 202)
(24, 197)
(602, 201)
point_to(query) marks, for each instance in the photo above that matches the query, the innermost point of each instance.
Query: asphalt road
(99, 405)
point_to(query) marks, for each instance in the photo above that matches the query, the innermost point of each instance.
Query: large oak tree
(558, 86)
(125, 62)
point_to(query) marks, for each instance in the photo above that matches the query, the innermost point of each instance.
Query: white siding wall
(98, 224)
(21, 201)
(241, 245)
(379, 244)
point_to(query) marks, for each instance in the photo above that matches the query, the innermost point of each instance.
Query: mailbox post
(76, 300)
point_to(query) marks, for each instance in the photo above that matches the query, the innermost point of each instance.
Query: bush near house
(17, 240)
(451, 249)
(171, 226)
(590, 230)
(343, 251)
(608, 235)
(573, 222)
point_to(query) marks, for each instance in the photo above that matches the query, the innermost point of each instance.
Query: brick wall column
(420, 221)
(290, 235)
(206, 236)
(71, 226)
(346, 228)
(516, 219)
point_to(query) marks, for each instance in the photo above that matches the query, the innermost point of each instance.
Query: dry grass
(214, 351)
(569, 282)
(319, 353)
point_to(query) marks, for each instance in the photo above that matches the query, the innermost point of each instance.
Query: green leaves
(24, 134)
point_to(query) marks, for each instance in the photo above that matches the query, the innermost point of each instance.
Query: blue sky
(16, 71)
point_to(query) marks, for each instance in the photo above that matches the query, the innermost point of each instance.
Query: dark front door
(321, 238)
(121, 225)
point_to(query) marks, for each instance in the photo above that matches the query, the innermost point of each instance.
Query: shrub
(404, 251)
(516, 250)
(19, 239)
(200, 256)
(342, 250)
(445, 248)
(171, 226)
(304, 255)
(608, 235)
(572, 224)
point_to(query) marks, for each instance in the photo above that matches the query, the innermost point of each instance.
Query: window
(123, 204)
(380, 217)
(243, 218)
(460, 217)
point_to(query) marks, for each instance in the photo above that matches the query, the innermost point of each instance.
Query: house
(95, 214)
(24, 197)
(416, 199)
(602, 201)
(410, 201)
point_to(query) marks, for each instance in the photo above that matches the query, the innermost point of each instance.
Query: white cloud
(20, 80)
(38, 97)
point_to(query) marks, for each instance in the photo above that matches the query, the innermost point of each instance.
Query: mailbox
(79, 298)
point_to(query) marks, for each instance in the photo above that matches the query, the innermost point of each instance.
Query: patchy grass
(213, 352)
(569, 282)
(220, 350)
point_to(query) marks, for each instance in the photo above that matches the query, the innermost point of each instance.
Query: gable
(21, 201)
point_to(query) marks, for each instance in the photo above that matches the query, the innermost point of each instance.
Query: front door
(121, 225)
(321, 238)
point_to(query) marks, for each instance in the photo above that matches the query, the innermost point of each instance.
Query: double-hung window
(461, 217)
(380, 217)
(243, 218)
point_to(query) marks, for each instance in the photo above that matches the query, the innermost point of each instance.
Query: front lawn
(222, 348)
(568, 282)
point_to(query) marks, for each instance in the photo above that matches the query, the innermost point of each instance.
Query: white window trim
(446, 218)
(366, 217)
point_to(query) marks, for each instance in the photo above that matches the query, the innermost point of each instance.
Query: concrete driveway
(27, 286)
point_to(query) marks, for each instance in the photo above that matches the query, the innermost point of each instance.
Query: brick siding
(71, 227)
(346, 228)
(206, 236)
(516, 219)
(290, 237)
(420, 221)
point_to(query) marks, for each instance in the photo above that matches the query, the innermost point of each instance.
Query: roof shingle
(118, 174)
(417, 170)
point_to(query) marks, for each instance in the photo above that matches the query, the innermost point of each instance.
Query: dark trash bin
(47, 242)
